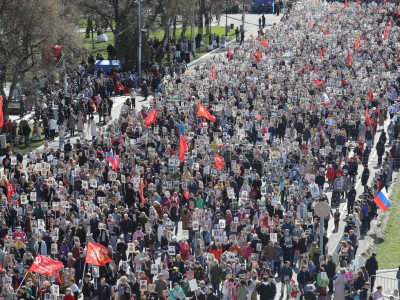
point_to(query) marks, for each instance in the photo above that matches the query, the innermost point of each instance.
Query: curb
(205, 55)
(386, 271)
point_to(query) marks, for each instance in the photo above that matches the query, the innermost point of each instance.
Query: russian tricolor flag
(113, 160)
(382, 199)
(325, 99)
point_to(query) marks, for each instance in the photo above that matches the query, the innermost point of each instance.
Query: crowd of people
(213, 196)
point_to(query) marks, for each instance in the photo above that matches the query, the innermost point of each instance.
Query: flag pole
(23, 279)
(83, 274)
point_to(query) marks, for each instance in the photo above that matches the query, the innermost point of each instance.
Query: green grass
(388, 252)
(33, 145)
(98, 47)
(82, 23)
(102, 47)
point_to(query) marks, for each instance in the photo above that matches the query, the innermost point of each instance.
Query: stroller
(335, 197)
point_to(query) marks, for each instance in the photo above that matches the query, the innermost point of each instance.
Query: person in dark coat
(365, 177)
(365, 156)
(303, 277)
(103, 291)
(380, 150)
(267, 288)
(372, 266)
(353, 167)
(330, 272)
(216, 276)
(351, 198)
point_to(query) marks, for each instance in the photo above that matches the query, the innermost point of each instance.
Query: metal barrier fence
(390, 285)
(335, 253)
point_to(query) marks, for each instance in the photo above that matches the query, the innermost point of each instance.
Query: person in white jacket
(52, 128)
(93, 128)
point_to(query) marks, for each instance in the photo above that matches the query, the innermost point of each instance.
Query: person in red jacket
(68, 295)
(216, 249)
(185, 250)
(330, 175)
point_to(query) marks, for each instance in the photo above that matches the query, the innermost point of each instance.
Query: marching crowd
(208, 191)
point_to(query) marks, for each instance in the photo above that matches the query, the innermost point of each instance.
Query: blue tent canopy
(257, 5)
(107, 64)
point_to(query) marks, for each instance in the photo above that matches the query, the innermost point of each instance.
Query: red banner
(151, 117)
(219, 162)
(203, 112)
(183, 146)
(97, 254)
(45, 265)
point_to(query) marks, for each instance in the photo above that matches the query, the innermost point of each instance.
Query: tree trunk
(207, 22)
(184, 28)
(167, 33)
(202, 11)
(8, 99)
(174, 30)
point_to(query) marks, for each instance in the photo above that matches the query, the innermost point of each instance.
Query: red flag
(259, 117)
(378, 9)
(230, 56)
(183, 146)
(58, 277)
(10, 190)
(390, 23)
(307, 67)
(309, 22)
(219, 162)
(1, 267)
(385, 33)
(264, 43)
(141, 191)
(348, 58)
(357, 43)
(203, 112)
(315, 70)
(257, 54)
(320, 53)
(317, 82)
(358, 2)
(370, 95)
(213, 72)
(45, 265)
(345, 3)
(1, 112)
(96, 254)
(151, 118)
(257, 38)
(186, 194)
(367, 118)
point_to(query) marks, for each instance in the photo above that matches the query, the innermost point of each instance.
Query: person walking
(372, 266)
(71, 124)
(80, 124)
(267, 288)
(286, 276)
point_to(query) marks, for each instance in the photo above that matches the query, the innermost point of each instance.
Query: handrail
(389, 285)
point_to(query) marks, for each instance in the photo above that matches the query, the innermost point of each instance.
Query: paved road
(251, 28)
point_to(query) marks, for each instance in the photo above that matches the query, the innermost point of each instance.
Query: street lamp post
(244, 14)
(193, 32)
(140, 46)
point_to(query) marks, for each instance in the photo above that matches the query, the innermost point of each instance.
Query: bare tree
(25, 27)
